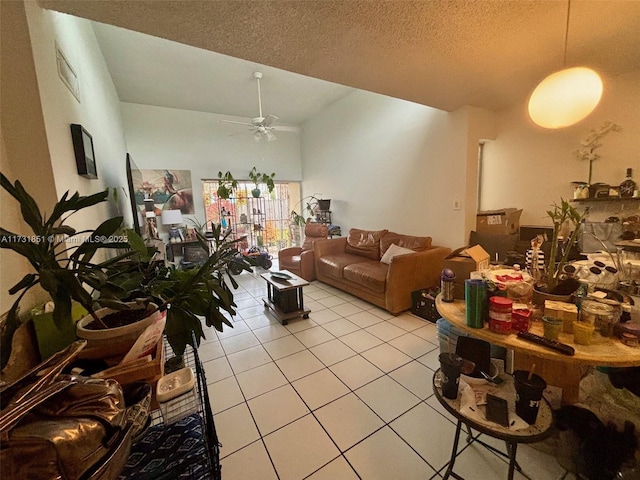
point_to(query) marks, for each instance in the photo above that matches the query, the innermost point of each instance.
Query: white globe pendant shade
(565, 97)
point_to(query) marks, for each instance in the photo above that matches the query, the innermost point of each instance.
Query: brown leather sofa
(353, 264)
(299, 260)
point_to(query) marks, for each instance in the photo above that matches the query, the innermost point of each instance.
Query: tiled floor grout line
(414, 357)
(350, 390)
(327, 367)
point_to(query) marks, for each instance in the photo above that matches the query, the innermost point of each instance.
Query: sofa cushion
(369, 274)
(365, 243)
(333, 265)
(417, 244)
(393, 251)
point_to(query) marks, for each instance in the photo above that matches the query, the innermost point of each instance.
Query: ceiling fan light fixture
(565, 97)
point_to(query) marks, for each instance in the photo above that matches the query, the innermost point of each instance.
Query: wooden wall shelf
(606, 199)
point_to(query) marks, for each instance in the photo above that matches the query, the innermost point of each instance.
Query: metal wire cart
(181, 441)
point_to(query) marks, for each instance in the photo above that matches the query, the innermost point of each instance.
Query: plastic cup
(552, 327)
(528, 395)
(583, 333)
(450, 366)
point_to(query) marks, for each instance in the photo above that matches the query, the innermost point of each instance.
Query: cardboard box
(463, 261)
(504, 221)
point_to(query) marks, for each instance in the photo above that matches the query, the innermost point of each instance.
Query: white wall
(389, 163)
(160, 137)
(98, 110)
(529, 167)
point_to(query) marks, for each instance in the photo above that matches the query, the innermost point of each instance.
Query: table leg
(471, 438)
(512, 448)
(301, 302)
(469, 434)
(454, 454)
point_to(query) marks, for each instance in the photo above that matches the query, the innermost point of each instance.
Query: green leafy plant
(226, 184)
(68, 273)
(307, 204)
(63, 271)
(257, 178)
(187, 295)
(565, 219)
(198, 225)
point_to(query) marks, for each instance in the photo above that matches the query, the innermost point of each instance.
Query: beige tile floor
(345, 394)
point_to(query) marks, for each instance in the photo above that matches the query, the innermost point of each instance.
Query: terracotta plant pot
(97, 338)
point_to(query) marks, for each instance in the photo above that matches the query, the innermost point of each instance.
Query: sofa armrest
(411, 272)
(289, 252)
(329, 246)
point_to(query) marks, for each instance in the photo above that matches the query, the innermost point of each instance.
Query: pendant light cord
(566, 34)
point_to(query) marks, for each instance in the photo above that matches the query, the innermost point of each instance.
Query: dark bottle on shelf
(628, 186)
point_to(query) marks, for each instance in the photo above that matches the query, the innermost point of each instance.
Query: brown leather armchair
(299, 260)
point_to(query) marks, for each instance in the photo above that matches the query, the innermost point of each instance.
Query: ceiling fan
(262, 126)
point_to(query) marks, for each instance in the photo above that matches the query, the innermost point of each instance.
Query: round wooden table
(557, 369)
(540, 430)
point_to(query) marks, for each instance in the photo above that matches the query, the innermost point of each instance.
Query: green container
(477, 306)
(552, 327)
(50, 338)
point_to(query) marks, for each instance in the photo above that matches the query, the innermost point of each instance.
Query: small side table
(535, 433)
(284, 296)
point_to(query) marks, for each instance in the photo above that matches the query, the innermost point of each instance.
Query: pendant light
(565, 97)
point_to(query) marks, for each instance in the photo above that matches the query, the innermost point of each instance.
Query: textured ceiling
(446, 54)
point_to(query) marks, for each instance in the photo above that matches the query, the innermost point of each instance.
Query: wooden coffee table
(284, 295)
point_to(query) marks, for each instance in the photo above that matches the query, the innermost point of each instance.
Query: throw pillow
(394, 251)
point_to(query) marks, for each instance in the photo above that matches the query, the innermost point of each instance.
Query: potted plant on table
(566, 226)
(310, 205)
(257, 178)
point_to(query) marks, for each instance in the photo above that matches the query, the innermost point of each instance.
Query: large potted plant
(566, 226)
(307, 204)
(257, 178)
(65, 272)
(186, 295)
(69, 274)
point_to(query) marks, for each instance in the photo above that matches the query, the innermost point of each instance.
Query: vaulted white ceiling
(154, 71)
(441, 53)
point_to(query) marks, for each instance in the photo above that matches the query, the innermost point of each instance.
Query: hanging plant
(257, 178)
(226, 184)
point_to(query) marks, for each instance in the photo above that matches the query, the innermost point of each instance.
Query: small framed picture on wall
(84, 153)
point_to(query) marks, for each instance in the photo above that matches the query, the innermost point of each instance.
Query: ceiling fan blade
(268, 120)
(285, 128)
(239, 133)
(237, 123)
